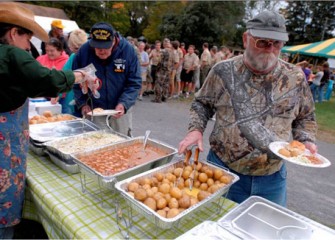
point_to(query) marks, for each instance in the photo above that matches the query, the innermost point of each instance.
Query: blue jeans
(271, 187)
(7, 233)
(317, 90)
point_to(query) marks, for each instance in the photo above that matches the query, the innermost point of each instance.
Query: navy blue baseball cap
(102, 35)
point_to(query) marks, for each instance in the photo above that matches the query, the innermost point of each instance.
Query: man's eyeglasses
(261, 43)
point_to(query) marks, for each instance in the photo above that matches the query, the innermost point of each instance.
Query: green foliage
(310, 21)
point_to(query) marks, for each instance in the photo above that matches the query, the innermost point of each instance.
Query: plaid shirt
(252, 111)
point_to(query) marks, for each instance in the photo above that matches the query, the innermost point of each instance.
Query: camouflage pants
(162, 85)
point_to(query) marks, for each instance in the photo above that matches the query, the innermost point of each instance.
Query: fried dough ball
(151, 203)
(203, 169)
(158, 195)
(177, 171)
(180, 183)
(209, 173)
(218, 174)
(133, 186)
(173, 203)
(150, 192)
(187, 183)
(162, 213)
(166, 181)
(203, 177)
(185, 201)
(210, 182)
(199, 166)
(186, 174)
(145, 181)
(172, 213)
(175, 192)
(197, 184)
(47, 114)
(203, 186)
(214, 188)
(164, 188)
(171, 177)
(159, 176)
(154, 189)
(202, 195)
(161, 203)
(225, 179)
(154, 182)
(167, 197)
(140, 194)
(146, 186)
(188, 168)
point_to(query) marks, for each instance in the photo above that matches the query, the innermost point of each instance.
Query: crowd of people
(320, 79)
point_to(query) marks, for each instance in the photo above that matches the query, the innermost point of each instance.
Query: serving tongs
(188, 161)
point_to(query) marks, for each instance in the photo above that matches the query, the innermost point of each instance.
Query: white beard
(260, 62)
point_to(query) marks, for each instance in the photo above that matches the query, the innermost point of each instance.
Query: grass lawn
(325, 117)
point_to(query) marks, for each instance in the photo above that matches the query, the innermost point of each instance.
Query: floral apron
(14, 139)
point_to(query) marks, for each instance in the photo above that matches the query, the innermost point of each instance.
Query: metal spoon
(146, 136)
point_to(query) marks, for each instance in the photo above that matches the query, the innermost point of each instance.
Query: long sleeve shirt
(252, 111)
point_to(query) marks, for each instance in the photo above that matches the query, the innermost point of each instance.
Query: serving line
(54, 198)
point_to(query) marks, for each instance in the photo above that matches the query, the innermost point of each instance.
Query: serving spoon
(146, 136)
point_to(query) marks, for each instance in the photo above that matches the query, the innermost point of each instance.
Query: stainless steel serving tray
(55, 130)
(110, 179)
(67, 167)
(258, 218)
(52, 146)
(152, 216)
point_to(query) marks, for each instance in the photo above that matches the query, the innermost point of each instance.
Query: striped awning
(324, 49)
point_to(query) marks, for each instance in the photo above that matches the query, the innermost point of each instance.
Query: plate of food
(102, 112)
(296, 152)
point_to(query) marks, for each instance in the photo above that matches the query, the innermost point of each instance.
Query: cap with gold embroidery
(102, 35)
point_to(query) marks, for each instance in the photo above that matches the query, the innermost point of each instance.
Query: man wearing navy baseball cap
(118, 71)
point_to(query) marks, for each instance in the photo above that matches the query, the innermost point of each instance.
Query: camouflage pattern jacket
(252, 111)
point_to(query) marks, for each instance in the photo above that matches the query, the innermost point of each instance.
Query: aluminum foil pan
(37, 149)
(111, 179)
(55, 130)
(70, 168)
(155, 218)
(276, 222)
(64, 147)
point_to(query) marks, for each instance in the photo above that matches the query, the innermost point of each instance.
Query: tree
(309, 21)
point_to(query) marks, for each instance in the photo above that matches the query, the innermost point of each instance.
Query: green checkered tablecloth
(55, 199)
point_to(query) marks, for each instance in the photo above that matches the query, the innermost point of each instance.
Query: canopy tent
(324, 49)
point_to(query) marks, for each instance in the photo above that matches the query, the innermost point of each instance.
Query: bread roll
(296, 145)
(284, 152)
(47, 114)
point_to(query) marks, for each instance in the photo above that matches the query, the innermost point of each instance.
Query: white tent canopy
(45, 23)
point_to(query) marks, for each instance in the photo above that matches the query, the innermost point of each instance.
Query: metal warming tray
(155, 218)
(64, 147)
(55, 130)
(109, 180)
(258, 218)
(67, 167)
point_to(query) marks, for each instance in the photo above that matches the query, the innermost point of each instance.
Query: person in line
(258, 99)
(316, 81)
(144, 65)
(55, 57)
(205, 63)
(304, 66)
(76, 38)
(21, 77)
(176, 60)
(119, 73)
(324, 80)
(329, 89)
(190, 64)
(57, 32)
(155, 58)
(179, 69)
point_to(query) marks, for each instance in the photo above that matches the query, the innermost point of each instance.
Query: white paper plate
(103, 113)
(275, 146)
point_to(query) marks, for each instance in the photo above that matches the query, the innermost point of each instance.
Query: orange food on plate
(293, 149)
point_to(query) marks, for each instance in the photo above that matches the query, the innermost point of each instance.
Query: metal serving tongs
(190, 161)
(194, 163)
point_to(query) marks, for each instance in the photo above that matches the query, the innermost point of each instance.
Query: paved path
(311, 191)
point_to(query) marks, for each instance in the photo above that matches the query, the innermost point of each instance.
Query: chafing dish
(109, 180)
(64, 147)
(67, 167)
(55, 130)
(152, 216)
(258, 218)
